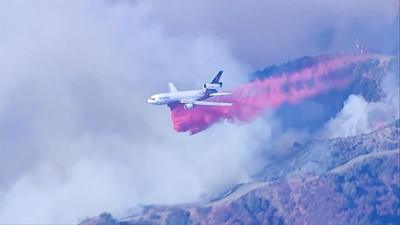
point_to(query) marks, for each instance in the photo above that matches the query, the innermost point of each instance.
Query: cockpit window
(151, 98)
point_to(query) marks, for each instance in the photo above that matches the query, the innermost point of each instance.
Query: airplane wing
(207, 103)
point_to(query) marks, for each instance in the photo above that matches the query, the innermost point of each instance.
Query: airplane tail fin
(213, 85)
(216, 78)
(172, 88)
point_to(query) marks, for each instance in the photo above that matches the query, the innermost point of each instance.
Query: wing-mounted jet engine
(188, 105)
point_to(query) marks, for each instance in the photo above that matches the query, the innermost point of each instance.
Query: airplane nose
(151, 101)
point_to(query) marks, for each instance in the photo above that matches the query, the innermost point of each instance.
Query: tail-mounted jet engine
(212, 85)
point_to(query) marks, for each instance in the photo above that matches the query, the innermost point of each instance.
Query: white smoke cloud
(77, 135)
(360, 116)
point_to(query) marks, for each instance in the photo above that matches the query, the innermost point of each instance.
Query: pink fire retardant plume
(251, 99)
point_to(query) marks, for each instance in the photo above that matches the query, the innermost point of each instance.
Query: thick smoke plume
(251, 99)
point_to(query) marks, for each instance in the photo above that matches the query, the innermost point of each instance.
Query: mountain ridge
(360, 190)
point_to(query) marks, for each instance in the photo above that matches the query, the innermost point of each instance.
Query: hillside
(350, 180)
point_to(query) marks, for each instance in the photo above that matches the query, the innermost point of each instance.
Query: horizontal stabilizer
(207, 103)
(212, 103)
(219, 94)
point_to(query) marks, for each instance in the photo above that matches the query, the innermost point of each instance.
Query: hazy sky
(263, 32)
(76, 135)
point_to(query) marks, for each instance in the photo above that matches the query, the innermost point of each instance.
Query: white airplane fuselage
(169, 98)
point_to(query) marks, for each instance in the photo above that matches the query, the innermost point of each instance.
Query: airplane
(189, 99)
